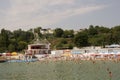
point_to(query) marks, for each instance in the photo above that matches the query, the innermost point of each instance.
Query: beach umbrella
(8, 54)
(67, 55)
(14, 53)
(4, 54)
(0, 54)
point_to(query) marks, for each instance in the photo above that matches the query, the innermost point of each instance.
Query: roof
(113, 46)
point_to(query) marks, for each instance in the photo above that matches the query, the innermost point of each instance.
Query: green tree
(81, 39)
(68, 34)
(4, 39)
(102, 29)
(20, 35)
(115, 32)
(59, 46)
(64, 41)
(11, 48)
(58, 32)
(96, 41)
(37, 30)
(92, 30)
(22, 45)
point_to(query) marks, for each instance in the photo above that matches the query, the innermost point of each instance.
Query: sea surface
(61, 70)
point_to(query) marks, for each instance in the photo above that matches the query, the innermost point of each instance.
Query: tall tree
(68, 34)
(81, 39)
(92, 30)
(58, 32)
(4, 42)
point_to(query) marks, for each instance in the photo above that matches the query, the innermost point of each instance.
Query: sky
(65, 14)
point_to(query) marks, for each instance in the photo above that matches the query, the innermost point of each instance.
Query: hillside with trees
(60, 39)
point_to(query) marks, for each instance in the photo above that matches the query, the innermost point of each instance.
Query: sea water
(61, 70)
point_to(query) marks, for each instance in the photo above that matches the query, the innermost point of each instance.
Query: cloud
(43, 12)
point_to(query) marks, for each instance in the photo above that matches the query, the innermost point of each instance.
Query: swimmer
(108, 69)
(110, 74)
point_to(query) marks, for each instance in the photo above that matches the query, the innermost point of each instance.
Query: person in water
(110, 75)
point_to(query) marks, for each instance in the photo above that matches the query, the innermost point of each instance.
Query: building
(46, 31)
(112, 46)
(38, 47)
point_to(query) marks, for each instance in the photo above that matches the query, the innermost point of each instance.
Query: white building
(46, 31)
(38, 47)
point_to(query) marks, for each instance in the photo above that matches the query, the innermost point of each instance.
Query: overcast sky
(67, 14)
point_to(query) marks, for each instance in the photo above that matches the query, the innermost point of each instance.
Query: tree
(37, 30)
(70, 46)
(63, 41)
(96, 41)
(22, 45)
(92, 30)
(68, 34)
(81, 39)
(4, 39)
(20, 35)
(29, 36)
(115, 34)
(58, 32)
(11, 48)
(102, 29)
(59, 46)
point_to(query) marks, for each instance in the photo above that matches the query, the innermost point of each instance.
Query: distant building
(75, 32)
(46, 31)
(112, 46)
